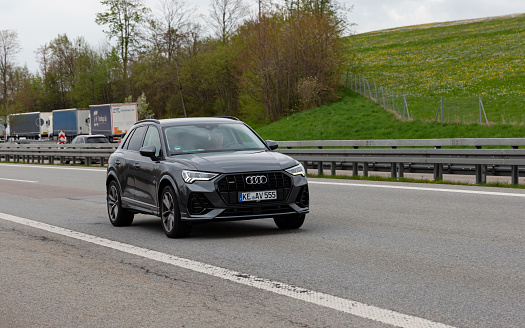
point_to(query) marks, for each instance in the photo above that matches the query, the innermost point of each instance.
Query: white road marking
(337, 303)
(18, 180)
(461, 191)
(102, 169)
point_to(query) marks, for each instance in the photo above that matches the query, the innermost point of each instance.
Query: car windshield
(193, 138)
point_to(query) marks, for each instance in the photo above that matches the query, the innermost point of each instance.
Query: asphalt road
(428, 255)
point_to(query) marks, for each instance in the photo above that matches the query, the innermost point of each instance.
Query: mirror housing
(149, 151)
(272, 144)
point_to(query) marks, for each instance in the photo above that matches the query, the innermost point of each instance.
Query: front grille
(230, 185)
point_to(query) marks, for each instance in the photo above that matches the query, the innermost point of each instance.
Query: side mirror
(149, 151)
(272, 144)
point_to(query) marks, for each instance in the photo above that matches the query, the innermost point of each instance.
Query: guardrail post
(393, 167)
(438, 168)
(332, 168)
(401, 170)
(438, 171)
(355, 166)
(514, 174)
(365, 169)
(319, 164)
(481, 172)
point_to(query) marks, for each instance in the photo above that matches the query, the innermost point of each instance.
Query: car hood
(238, 161)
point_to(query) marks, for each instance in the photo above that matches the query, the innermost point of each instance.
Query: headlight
(297, 170)
(191, 176)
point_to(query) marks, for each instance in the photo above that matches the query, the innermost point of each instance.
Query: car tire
(118, 216)
(170, 215)
(290, 221)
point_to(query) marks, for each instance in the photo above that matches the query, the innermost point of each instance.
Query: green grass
(459, 62)
(354, 117)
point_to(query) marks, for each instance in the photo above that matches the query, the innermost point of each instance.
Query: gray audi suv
(195, 170)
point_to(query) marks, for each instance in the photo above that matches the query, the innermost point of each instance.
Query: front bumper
(215, 201)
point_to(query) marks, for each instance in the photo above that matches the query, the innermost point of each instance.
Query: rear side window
(76, 140)
(136, 139)
(125, 144)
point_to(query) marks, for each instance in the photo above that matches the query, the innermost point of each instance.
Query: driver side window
(153, 139)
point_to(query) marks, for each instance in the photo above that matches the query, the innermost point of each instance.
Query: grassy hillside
(459, 61)
(355, 117)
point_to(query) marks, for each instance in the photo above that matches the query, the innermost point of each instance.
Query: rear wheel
(290, 221)
(170, 215)
(118, 216)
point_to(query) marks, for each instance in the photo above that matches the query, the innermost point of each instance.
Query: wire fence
(464, 110)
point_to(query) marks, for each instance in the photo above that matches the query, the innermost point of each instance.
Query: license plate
(257, 195)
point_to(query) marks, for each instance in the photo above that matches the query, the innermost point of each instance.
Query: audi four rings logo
(256, 179)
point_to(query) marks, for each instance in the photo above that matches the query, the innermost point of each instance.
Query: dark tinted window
(126, 139)
(136, 139)
(97, 140)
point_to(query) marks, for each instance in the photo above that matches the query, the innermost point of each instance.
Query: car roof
(191, 120)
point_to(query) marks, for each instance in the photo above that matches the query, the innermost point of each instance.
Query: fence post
(393, 102)
(481, 107)
(404, 106)
(441, 109)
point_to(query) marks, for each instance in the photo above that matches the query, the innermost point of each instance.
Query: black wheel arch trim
(167, 178)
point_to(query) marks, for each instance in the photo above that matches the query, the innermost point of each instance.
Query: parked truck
(34, 125)
(3, 125)
(112, 120)
(73, 121)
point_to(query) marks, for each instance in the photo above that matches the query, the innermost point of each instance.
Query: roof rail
(147, 120)
(229, 117)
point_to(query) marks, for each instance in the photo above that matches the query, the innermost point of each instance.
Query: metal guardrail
(47, 152)
(396, 155)
(413, 154)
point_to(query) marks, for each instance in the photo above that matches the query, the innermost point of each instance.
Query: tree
(9, 47)
(225, 16)
(124, 18)
(143, 111)
(290, 52)
(168, 39)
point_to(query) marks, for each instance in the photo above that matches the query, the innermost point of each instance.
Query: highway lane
(427, 251)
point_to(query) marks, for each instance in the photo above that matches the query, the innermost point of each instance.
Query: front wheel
(290, 221)
(170, 215)
(118, 216)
